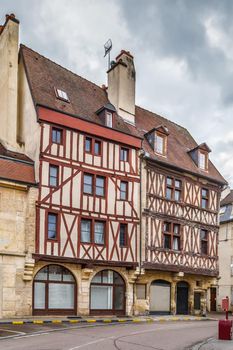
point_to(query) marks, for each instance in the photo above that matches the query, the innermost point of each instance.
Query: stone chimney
(121, 86)
(9, 39)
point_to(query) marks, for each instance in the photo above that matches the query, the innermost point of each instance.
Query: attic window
(62, 95)
(203, 160)
(109, 119)
(160, 143)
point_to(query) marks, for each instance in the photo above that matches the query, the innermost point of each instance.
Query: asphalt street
(159, 336)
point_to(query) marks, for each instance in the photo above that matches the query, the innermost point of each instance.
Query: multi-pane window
(124, 155)
(171, 236)
(159, 144)
(173, 188)
(57, 136)
(52, 226)
(94, 184)
(202, 160)
(99, 232)
(92, 231)
(123, 235)
(88, 184)
(88, 144)
(109, 119)
(92, 146)
(53, 175)
(85, 231)
(204, 241)
(97, 148)
(123, 190)
(204, 198)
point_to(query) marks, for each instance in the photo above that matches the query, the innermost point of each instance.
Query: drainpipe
(141, 155)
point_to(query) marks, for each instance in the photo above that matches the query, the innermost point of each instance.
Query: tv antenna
(107, 49)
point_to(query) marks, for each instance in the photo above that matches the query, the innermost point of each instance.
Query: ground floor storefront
(71, 289)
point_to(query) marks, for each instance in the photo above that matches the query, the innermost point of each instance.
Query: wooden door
(182, 298)
(213, 299)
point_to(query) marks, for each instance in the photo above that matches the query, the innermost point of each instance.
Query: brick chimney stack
(9, 41)
(121, 86)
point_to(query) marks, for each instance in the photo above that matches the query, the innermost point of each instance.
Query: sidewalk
(214, 344)
(113, 319)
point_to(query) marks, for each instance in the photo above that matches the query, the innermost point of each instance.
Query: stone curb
(102, 320)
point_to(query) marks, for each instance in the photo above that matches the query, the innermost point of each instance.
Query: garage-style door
(160, 297)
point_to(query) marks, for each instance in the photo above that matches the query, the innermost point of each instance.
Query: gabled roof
(86, 98)
(227, 200)
(16, 167)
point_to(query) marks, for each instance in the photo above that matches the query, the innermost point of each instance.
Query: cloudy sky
(183, 53)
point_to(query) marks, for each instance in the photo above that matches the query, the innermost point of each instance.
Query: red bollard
(225, 326)
(224, 329)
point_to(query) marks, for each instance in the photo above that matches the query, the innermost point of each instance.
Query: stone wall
(17, 239)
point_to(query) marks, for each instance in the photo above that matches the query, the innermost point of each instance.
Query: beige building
(225, 283)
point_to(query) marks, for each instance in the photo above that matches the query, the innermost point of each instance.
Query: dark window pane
(177, 195)
(177, 183)
(167, 226)
(88, 144)
(119, 298)
(203, 234)
(99, 232)
(88, 184)
(204, 203)
(167, 241)
(99, 186)
(56, 135)
(52, 226)
(117, 278)
(53, 175)
(169, 193)
(176, 243)
(124, 154)
(123, 235)
(85, 231)
(176, 229)
(97, 148)
(204, 247)
(123, 190)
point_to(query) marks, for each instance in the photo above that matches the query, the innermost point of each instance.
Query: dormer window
(157, 138)
(200, 156)
(109, 119)
(62, 95)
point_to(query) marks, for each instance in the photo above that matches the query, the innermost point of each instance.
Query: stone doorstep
(72, 320)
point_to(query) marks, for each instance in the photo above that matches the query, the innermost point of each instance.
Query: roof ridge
(57, 64)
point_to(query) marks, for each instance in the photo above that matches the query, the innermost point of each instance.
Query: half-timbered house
(126, 215)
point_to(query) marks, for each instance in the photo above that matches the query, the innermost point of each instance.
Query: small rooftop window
(109, 119)
(157, 138)
(62, 95)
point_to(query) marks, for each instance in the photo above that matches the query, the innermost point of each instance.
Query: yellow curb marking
(91, 321)
(136, 320)
(122, 320)
(17, 322)
(74, 321)
(107, 321)
(56, 321)
(175, 318)
(186, 318)
(38, 322)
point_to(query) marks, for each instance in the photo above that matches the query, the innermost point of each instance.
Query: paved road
(158, 336)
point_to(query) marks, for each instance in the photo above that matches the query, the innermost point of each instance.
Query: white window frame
(109, 119)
